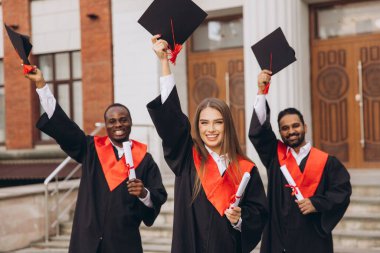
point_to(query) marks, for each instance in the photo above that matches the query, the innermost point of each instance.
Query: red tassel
(177, 47)
(174, 53)
(266, 89)
(28, 69)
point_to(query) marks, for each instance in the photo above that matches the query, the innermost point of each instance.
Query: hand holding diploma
(291, 182)
(241, 189)
(129, 159)
(233, 213)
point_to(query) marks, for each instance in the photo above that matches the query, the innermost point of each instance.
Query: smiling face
(292, 131)
(211, 128)
(118, 124)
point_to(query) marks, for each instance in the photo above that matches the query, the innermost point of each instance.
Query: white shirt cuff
(147, 201)
(261, 108)
(238, 225)
(166, 86)
(47, 100)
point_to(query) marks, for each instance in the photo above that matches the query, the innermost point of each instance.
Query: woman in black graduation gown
(203, 218)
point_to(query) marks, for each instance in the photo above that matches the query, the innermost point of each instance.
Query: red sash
(307, 181)
(116, 171)
(220, 190)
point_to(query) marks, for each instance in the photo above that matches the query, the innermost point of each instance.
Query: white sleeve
(166, 86)
(238, 225)
(147, 201)
(261, 108)
(47, 100)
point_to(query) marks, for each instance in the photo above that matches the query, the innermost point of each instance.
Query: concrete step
(366, 190)
(360, 239)
(364, 205)
(354, 250)
(38, 250)
(157, 230)
(360, 221)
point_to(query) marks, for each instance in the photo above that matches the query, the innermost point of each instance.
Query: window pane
(2, 114)
(62, 66)
(46, 66)
(77, 65)
(78, 104)
(45, 137)
(350, 19)
(64, 98)
(219, 34)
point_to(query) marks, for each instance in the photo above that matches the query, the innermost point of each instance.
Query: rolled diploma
(291, 182)
(129, 159)
(241, 189)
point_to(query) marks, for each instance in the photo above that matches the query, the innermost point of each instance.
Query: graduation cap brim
(273, 52)
(183, 16)
(20, 43)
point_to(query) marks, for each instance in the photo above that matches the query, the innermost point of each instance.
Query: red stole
(307, 181)
(220, 190)
(116, 171)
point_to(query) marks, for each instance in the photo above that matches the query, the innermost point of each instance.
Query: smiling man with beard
(110, 207)
(297, 226)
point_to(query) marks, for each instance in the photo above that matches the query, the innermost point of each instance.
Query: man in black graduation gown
(109, 208)
(297, 226)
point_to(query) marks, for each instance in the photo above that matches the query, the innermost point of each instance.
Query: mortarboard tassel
(266, 90)
(28, 69)
(177, 47)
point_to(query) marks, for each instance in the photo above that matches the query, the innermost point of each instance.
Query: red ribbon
(28, 69)
(177, 47)
(293, 187)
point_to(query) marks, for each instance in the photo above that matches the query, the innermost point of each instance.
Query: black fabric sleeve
(254, 212)
(65, 132)
(153, 182)
(174, 129)
(263, 138)
(333, 202)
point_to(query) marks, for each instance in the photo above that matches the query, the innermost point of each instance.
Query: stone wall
(22, 212)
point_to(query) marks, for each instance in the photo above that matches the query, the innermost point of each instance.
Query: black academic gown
(104, 221)
(198, 227)
(288, 230)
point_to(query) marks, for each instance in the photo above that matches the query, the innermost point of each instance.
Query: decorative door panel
(346, 99)
(332, 101)
(368, 57)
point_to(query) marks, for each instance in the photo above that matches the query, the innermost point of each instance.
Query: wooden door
(341, 126)
(214, 74)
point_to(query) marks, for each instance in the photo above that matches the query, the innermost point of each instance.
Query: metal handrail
(55, 191)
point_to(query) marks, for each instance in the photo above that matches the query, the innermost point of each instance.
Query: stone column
(290, 87)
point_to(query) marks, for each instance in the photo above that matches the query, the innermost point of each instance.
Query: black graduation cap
(175, 20)
(23, 47)
(273, 52)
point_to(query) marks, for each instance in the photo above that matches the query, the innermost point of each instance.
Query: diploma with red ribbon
(241, 189)
(128, 159)
(291, 183)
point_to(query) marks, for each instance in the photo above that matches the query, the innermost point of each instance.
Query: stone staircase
(358, 232)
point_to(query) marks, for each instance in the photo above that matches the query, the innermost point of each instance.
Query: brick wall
(20, 100)
(96, 43)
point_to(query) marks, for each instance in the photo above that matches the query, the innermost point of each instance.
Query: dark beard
(297, 143)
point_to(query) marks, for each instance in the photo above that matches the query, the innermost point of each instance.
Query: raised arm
(260, 131)
(56, 123)
(171, 124)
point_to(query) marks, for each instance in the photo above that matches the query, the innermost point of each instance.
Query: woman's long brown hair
(230, 143)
